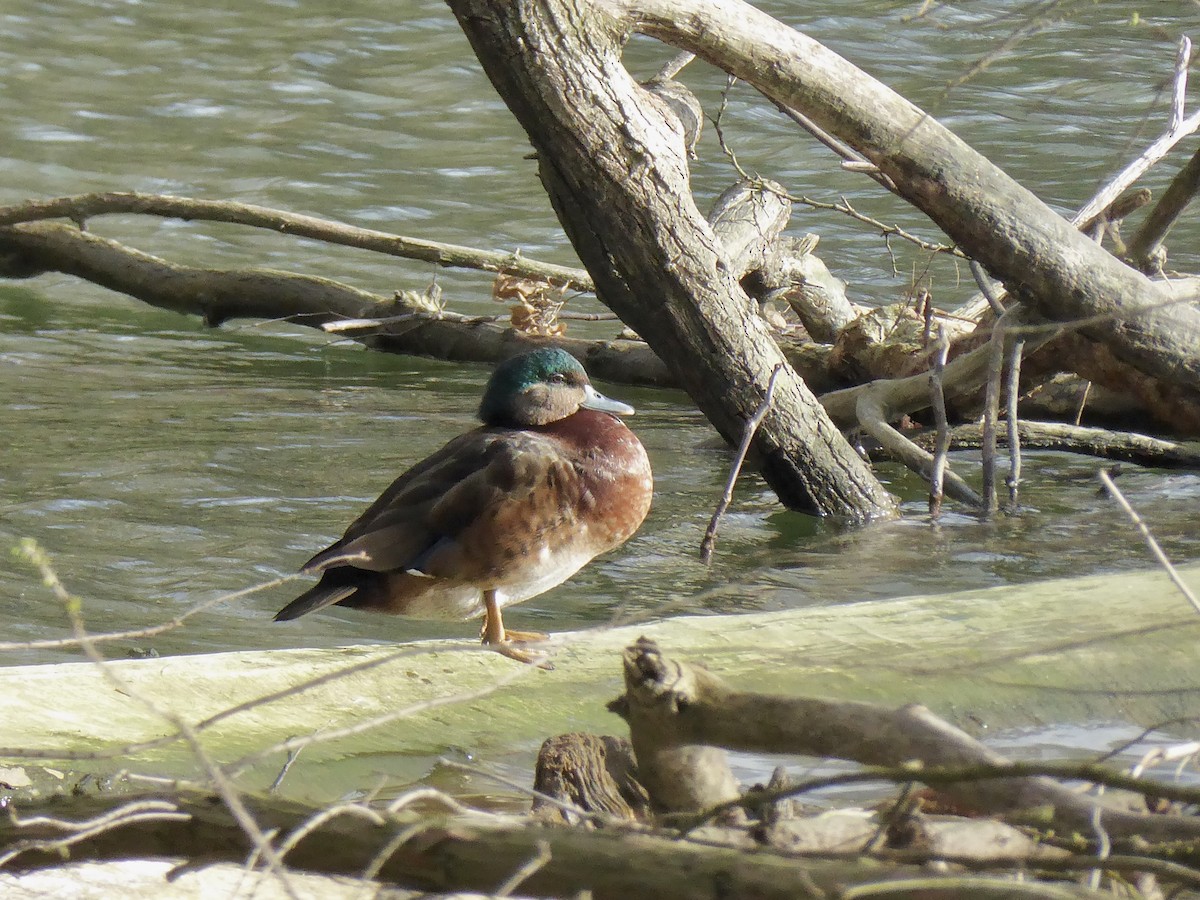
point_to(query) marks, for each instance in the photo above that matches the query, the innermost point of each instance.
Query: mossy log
(1103, 648)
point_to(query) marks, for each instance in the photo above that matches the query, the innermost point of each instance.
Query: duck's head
(540, 387)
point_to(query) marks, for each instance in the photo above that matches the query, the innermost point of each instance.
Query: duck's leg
(493, 624)
(496, 636)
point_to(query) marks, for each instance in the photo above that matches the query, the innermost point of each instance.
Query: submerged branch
(1122, 446)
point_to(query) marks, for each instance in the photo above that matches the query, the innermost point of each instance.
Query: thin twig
(710, 534)
(1115, 493)
(312, 823)
(1083, 399)
(142, 633)
(719, 127)
(1177, 130)
(138, 811)
(935, 776)
(292, 756)
(942, 446)
(985, 287)
(873, 410)
(1013, 388)
(843, 206)
(528, 869)
(598, 816)
(371, 871)
(991, 412)
(1103, 848)
(224, 788)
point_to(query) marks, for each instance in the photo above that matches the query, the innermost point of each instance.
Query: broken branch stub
(679, 775)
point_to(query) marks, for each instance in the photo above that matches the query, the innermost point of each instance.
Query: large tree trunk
(613, 160)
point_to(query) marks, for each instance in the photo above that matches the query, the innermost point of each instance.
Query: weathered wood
(1118, 445)
(748, 219)
(217, 295)
(479, 852)
(81, 207)
(593, 773)
(1145, 248)
(1081, 650)
(616, 173)
(1060, 272)
(679, 716)
(802, 280)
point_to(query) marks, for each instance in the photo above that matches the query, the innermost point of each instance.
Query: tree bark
(613, 160)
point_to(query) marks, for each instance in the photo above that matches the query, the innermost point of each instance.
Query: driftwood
(1064, 276)
(1077, 650)
(80, 208)
(428, 841)
(1117, 445)
(459, 850)
(403, 324)
(681, 716)
(1145, 249)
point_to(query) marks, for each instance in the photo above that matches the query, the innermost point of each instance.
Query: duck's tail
(318, 596)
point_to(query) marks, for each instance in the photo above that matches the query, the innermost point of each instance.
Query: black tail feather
(317, 597)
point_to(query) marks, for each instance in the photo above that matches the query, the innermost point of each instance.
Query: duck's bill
(593, 399)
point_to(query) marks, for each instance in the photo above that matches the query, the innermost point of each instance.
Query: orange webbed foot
(525, 637)
(504, 642)
(529, 657)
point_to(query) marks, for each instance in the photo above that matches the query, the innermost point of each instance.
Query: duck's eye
(557, 378)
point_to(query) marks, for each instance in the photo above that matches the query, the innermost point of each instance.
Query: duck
(551, 479)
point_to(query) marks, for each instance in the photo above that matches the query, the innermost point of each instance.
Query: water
(163, 464)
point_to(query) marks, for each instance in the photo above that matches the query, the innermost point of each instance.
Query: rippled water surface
(162, 464)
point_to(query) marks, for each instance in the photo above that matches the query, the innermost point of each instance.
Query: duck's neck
(593, 432)
(584, 426)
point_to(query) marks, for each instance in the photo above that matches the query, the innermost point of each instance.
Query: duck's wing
(487, 481)
(514, 512)
(391, 531)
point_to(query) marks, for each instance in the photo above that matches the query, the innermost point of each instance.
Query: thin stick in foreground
(991, 412)
(938, 403)
(1013, 387)
(710, 534)
(1115, 493)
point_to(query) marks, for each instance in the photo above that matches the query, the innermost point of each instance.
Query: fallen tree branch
(873, 410)
(1148, 537)
(1145, 247)
(1178, 128)
(937, 399)
(680, 713)
(1099, 442)
(1012, 420)
(474, 851)
(1063, 275)
(81, 207)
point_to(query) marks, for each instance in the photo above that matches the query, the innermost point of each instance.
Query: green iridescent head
(540, 387)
